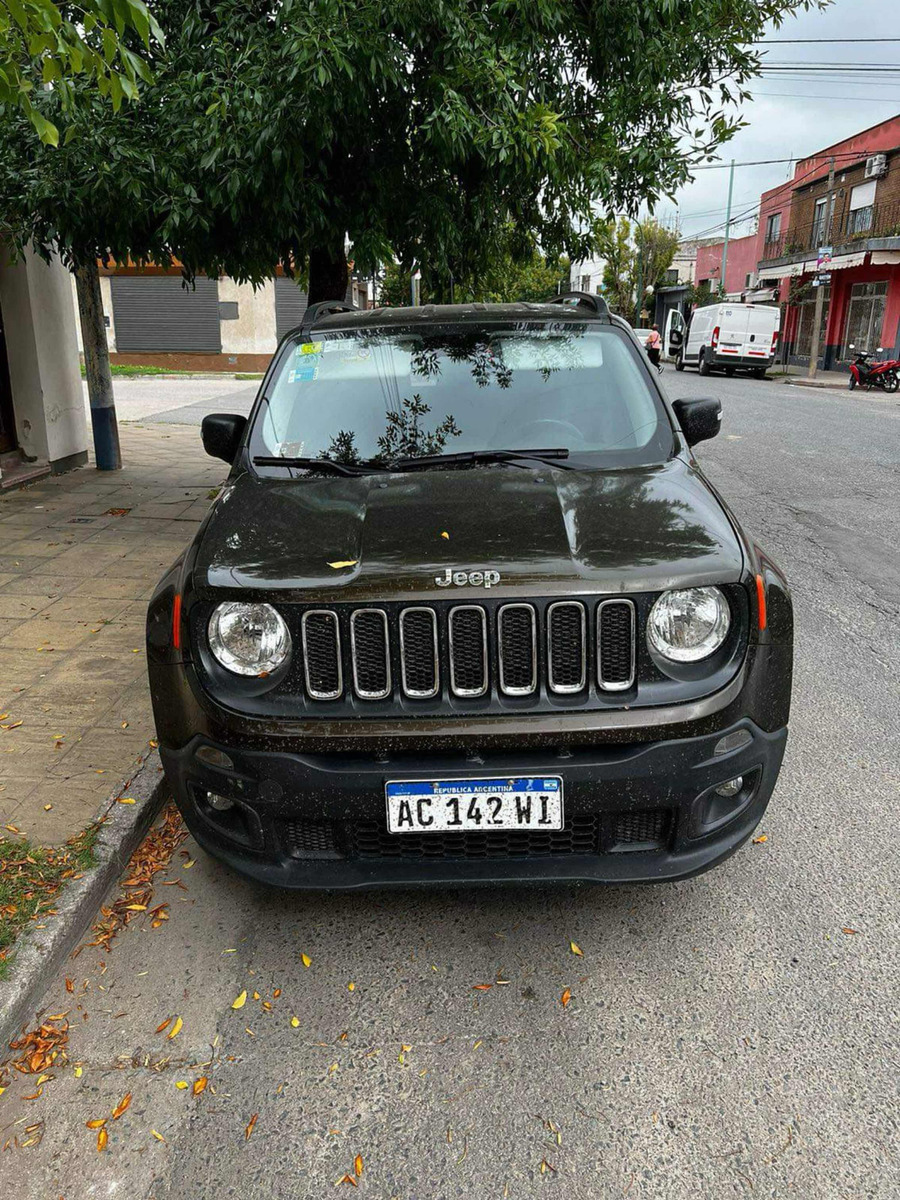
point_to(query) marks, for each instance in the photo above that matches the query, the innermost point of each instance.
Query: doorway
(7, 416)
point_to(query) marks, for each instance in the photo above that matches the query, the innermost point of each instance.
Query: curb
(41, 954)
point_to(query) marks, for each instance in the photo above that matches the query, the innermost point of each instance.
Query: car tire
(679, 361)
(759, 373)
(729, 371)
(702, 365)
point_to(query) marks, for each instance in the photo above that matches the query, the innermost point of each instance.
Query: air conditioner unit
(876, 166)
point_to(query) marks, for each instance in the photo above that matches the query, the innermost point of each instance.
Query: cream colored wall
(254, 330)
(41, 343)
(106, 296)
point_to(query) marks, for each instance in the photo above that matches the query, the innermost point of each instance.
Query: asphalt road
(735, 1035)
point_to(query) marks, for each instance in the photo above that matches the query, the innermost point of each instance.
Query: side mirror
(699, 419)
(222, 433)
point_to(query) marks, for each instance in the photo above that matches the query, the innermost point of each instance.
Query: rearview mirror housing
(699, 419)
(221, 434)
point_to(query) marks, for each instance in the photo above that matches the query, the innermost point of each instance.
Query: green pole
(727, 226)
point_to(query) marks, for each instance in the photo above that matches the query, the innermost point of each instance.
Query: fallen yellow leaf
(763, 837)
(306, 960)
(136, 907)
(121, 1106)
(295, 1021)
(97, 1123)
(445, 535)
(159, 1137)
(181, 1084)
(102, 1139)
(200, 1085)
(127, 800)
(576, 949)
(565, 998)
(344, 562)
(351, 987)
(249, 1128)
(175, 1030)
(240, 1001)
(358, 1165)
(189, 864)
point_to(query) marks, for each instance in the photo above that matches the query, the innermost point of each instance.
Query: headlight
(688, 625)
(249, 638)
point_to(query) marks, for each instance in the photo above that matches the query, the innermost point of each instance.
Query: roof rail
(581, 300)
(323, 309)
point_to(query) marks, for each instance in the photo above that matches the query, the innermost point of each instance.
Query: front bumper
(634, 812)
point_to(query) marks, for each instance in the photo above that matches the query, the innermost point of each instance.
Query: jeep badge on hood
(485, 579)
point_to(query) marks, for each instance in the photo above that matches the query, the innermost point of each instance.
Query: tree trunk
(96, 368)
(327, 274)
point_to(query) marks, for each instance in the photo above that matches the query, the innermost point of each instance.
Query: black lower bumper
(743, 362)
(637, 812)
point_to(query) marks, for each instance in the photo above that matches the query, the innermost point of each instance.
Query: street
(733, 1035)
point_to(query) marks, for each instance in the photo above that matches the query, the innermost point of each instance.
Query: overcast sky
(816, 111)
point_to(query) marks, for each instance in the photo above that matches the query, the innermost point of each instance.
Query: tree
(532, 278)
(637, 259)
(419, 129)
(43, 43)
(428, 131)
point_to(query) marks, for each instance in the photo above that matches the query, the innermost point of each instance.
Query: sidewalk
(798, 377)
(79, 556)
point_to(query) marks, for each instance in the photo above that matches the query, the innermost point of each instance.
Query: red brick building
(858, 217)
(740, 267)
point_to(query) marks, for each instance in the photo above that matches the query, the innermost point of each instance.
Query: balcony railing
(875, 221)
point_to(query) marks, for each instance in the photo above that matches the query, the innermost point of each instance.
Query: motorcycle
(870, 373)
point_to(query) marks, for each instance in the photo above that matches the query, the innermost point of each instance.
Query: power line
(822, 41)
(765, 162)
(819, 96)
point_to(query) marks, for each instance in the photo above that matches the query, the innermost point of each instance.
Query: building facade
(153, 317)
(43, 425)
(855, 218)
(740, 267)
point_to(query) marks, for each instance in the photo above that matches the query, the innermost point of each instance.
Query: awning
(844, 261)
(733, 297)
(761, 296)
(786, 271)
(884, 258)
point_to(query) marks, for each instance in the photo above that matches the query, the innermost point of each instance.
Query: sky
(797, 114)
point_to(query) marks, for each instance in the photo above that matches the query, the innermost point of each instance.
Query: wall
(593, 267)
(254, 330)
(887, 197)
(742, 260)
(43, 361)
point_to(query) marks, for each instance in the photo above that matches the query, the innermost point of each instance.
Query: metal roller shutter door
(155, 312)
(290, 304)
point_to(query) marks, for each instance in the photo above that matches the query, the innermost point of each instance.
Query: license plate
(474, 805)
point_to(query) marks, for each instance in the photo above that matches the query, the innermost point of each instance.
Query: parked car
(467, 610)
(733, 337)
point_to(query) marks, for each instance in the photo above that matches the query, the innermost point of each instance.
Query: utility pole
(820, 288)
(727, 227)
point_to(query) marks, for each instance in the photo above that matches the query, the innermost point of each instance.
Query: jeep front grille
(517, 650)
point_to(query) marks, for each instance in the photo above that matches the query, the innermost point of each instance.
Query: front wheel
(852, 384)
(703, 366)
(679, 362)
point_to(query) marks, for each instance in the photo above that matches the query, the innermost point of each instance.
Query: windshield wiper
(477, 456)
(329, 465)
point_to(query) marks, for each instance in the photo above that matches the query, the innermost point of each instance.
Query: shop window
(865, 317)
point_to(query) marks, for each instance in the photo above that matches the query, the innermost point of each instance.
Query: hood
(537, 532)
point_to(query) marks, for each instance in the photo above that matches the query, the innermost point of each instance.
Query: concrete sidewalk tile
(85, 610)
(44, 582)
(23, 606)
(39, 632)
(105, 588)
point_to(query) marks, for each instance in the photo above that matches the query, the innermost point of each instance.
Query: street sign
(824, 278)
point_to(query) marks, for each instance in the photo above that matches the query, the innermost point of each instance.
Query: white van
(731, 336)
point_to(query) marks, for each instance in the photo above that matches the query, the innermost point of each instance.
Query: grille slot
(371, 654)
(517, 649)
(419, 652)
(468, 650)
(322, 654)
(312, 839)
(566, 647)
(581, 836)
(615, 645)
(644, 830)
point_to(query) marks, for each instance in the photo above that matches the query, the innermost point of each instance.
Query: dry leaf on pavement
(249, 1128)
(576, 949)
(240, 1001)
(200, 1085)
(175, 1030)
(565, 998)
(121, 1106)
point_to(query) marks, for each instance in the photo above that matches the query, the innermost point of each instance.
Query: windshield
(383, 395)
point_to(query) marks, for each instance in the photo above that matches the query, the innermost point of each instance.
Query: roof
(457, 314)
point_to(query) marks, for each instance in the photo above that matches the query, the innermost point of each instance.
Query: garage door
(290, 305)
(155, 312)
